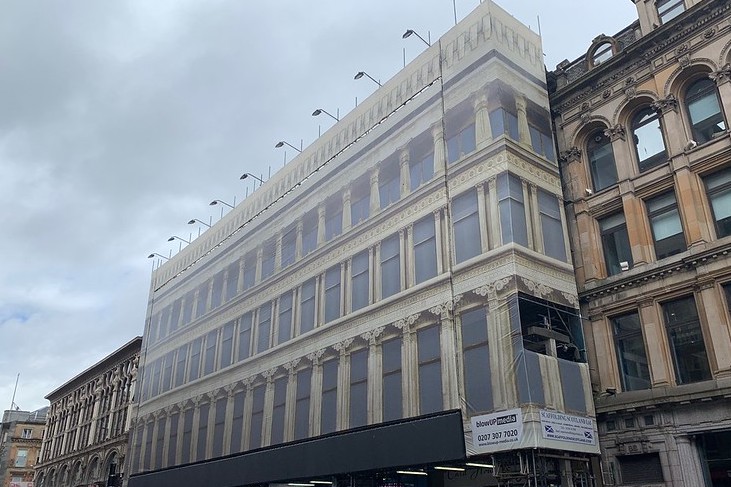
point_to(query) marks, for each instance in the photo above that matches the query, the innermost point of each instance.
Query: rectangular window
(203, 411)
(421, 169)
(309, 233)
(389, 184)
(164, 321)
(669, 9)
(284, 324)
(360, 294)
(175, 314)
(218, 427)
(430, 370)
(188, 303)
(209, 361)
(187, 436)
(250, 270)
(173, 440)
(257, 417)
(147, 460)
(466, 223)
(289, 246)
(180, 363)
(359, 388)
(227, 345)
(267, 259)
(237, 422)
(667, 230)
(542, 143)
(390, 266)
(195, 359)
(167, 371)
(302, 405)
(217, 290)
(156, 373)
(329, 406)
(461, 143)
(504, 122)
(686, 341)
(280, 399)
(360, 201)
(332, 293)
(553, 240)
(307, 309)
(476, 358)
(634, 370)
(512, 209)
(232, 280)
(244, 336)
(202, 299)
(160, 438)
(392, 395)
(718, 186)
(425, 249)
(21, 458)
(27, 434)
(264, 329)
(615, 242)
(333, 218)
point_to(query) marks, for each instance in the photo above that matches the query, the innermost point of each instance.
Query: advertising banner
(567, 428)
(497, 431)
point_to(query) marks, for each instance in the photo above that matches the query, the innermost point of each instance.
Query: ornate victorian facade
(646, 164)
(20, 446)
(88, 423)
(411, 266)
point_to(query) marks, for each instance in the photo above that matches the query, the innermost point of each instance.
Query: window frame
(681, 375)
(606, 232)
(653, 214)
(596, 163)
(643, 117)
(620, 336)
(665, 7)
(699, 129)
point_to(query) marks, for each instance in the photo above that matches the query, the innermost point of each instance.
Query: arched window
(602, 53)
(648, 138)
(601, 161)
(706, 119)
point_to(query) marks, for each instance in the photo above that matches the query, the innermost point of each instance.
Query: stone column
(228, 426)
(259, 258)
(440, 152)
(321, 224)
(266, 435)
(346, 210)
(375, 375)
(483, 131)
(447, 338)
(298, 242)
(316, 391)
(438, 239)
(482, 217)
(689, 464)
(713, 319)
(656, 343)
(375, 194)
(603, 338)
(278, 251)
(196, 426)
(409, 367)
(377, 287)
(289, 406)
(690, 193)
(638, 230)
(493, 210)
(523, 130)
(404, 168)
(94, 416)
(532, 216)
(407, 248)
(499, 335)
(240, 285)
(343, 399)
(248, 408)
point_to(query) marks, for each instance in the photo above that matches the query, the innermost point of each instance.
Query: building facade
(406, 279)
(642, 128)
(20, 446)
(88, 423)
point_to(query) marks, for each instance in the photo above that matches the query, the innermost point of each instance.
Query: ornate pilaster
(375, 203)
(523, 130)
(404, 171)
(409, 359)
(483, 131)
(440, 152)
(375, 374)
(321, 224)
(572, 154)
(346, 210)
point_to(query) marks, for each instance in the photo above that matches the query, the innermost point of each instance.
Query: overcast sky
(121, 120)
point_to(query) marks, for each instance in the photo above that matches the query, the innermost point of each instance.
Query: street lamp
(249, 175)
(360, 74)
(215, 202)
(282, 143)
(411, 32)
(155, 254)
(322, 110)
(175, 237)
(194, 220)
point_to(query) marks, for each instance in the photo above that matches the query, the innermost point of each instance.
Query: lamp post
(322, 110)
(194, 220)
(411, 32)
(282, 143)
(360, 74)
(249, 175)
(155, 254)
(215, 202)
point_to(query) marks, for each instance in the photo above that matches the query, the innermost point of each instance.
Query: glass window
(237, 422)
(602, 53)
(173, 439)
(180, 363)
(21, 458)
(634, 370)
(148, 445)
(164, 321)
(289, 246)
(669, 9)
(280, 399)
(553, 240)
(187, 435)
(706, 117)
(203, 411)
(542, 143)
(195, 359)
(264, 329)
(504, 122)
(602, 166)
(202, 299)
(257, 417)
(430, 370)
(686, 341)
(461, 143)
(718, 186)
(512, 209)
(421, 169)
(302, 405)
(389, 184)
(360, 281)
(392, 393)
(27, 434)
(476, 361)
(227, 345)
(359, 388)
(244, 336)
(615, 242)
(309, 233)
(333, 218)
(390, 266)
(209, 360)
(648, 138)
(217, 290)
(332, 293)
(307, 310)
(250, 270)
(667, 230)
(425, 249)
(175, 314)
(360, 201)
(466, 224)
(232, 280)
(218, 427)
(267, 259)
(167, 371)
(329, 407)
(285, 318)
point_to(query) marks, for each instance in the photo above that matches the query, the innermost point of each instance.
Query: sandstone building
(20, 446)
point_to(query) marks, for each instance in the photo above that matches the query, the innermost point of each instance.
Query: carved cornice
(405, 324)
(491, 290)
(291, 366)
(444, 310)
(343, 346)
(316, 356)
(538, 290)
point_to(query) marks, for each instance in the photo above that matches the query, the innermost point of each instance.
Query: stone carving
(291, 366)
(491, 290)
(607, 93)
(316, 356)
(709, 33)
(570, 155)
(372, 336)
(268, 374)
(343, 346)
(540, 290)
(444, 310)
(571, 298)
(722, 75)
(666, 104)
(616, 132)
(405, 324)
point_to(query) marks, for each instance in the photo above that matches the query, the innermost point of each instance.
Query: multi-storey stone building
(20, 446)
(88, 423)
(398, 300)
(646, 161)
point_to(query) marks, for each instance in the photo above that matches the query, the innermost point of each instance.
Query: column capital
(721, 76)
(343, 346)
(491, 290)
(570, 155)
(615, 133)
(372, 336)
(664, 105)
(291, 366)
(269, 373)
(405, 324)
(316, 356)
(444, 310)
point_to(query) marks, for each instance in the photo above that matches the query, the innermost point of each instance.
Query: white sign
(497, 431)
(566, 427)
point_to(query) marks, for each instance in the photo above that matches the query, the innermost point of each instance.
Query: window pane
(553, 239)
(202, 301)
(280, 399)
(329, 411)
(209, 360)
(615, 243)
(302, 406)
(289, 246)
(307, 313)
(430, 370)
(666, 227)
(264, 329)
(227, 342)
(602, 165)
(182, 359)
(244, 336)
(476, 358)
(257, 417)
(630, 346)
(686, 341)
(203, 411)
(466, 224)
(359, 388)
(705, 112)
(219, 422)
(425, 250)
(285, 318)
(195, 359)
(332, 293)
(649, 142)
(217, 290)
(390, 266)
(232, 280)
(237, 423)
(360, 280)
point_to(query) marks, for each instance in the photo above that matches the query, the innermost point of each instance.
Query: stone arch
(51, 478)
(112, 464)
(624, 111)
(62, 478)
(596, 44)
(40, 480)
(92, 471)
(724, 56)
(76, 476)
(578, 137)
(682, 76)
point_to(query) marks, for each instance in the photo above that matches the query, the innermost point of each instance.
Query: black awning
(414, 441)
